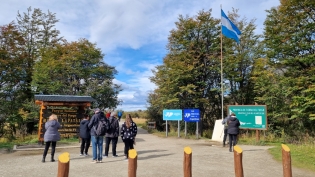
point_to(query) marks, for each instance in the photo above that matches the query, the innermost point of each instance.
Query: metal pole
(166, 128)
(221, 72)
(178, 128)
(197, 131)
(185, 128)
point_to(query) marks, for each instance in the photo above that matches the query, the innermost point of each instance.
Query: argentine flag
(229, 29)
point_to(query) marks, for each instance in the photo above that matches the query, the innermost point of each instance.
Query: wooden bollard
(286, 161)
(238, 162)
(132, 163)
(63, 164)
(187, 161)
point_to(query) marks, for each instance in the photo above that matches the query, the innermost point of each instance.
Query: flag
(229, 29)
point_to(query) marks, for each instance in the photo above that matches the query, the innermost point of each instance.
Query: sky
(132, 34)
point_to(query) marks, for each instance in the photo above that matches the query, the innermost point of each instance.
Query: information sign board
(250, 116)
(191, 115)
(172, 114)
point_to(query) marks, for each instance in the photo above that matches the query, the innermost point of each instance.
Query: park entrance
(69, 109)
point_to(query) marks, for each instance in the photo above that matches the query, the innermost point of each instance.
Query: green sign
(250, 116)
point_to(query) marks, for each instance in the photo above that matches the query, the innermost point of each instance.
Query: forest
(35, 59)
(275, 68)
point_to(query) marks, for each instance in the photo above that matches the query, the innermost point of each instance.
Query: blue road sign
(191, 115)
(172, 114)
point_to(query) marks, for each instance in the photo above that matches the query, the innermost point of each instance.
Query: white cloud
(120, 25)
(136, 89)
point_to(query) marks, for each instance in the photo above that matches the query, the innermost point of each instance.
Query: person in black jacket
(233, 130)
(112, 134)
(128, 134)
(85, 135)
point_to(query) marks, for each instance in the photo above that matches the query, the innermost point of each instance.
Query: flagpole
(221, 67)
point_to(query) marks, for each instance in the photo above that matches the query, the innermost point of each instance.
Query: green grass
(6, 145)
(302, 156)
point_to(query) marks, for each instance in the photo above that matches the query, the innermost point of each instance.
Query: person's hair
(114, 113)
(128, 120)
(86, 115)
(129, 115)
(53, 117)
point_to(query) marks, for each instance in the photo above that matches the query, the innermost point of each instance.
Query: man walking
(97, 141)
(225, 123)
(112, 134)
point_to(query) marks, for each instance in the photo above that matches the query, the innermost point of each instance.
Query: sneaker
(115, 155)
(86, 154)
(94, 161)
(100, 161)
(125, 159)
(81, 154)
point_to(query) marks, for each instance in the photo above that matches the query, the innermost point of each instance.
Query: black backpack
(102, 125)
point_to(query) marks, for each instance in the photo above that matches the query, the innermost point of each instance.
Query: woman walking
(233, 130)
(51, 136)
(128, 134)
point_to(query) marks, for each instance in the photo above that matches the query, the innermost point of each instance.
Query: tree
(239, 59)
(189, 75)
(12, 85)
(76, 68)
(37, 29)
(289, 40)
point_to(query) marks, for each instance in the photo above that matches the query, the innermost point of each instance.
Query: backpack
(101, 126)
(110, 127)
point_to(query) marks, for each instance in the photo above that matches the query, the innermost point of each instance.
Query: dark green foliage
(289, 40)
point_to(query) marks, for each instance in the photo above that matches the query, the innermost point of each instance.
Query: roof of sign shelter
(63, 100)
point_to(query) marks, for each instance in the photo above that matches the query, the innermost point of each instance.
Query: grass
(141, 122)
(302, 156)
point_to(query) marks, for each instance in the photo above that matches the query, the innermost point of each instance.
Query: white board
(218, 131)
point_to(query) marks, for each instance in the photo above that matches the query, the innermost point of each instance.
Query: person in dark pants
(51, 136)
(112, 134)
(128, 134)
(225, 123)
(85, 135)
(233, 130)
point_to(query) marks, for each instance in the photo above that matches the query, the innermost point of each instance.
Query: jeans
(108, 140)
(128, 145)
(53, 148)
(85, 144)
(97, 143)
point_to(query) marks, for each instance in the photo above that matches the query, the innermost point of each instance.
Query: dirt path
(157, 157)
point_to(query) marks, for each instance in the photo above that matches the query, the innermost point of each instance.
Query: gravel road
(157, 157)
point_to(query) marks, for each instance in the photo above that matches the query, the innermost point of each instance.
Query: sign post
(192, 115)
(172, 114)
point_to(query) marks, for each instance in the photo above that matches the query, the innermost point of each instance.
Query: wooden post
(187, 161)
(132, 163)
(286, 161)
(257, 132)
(63, 164)
(238, 163)
(257, 135)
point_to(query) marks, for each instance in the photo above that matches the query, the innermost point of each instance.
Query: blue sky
(132, 34)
